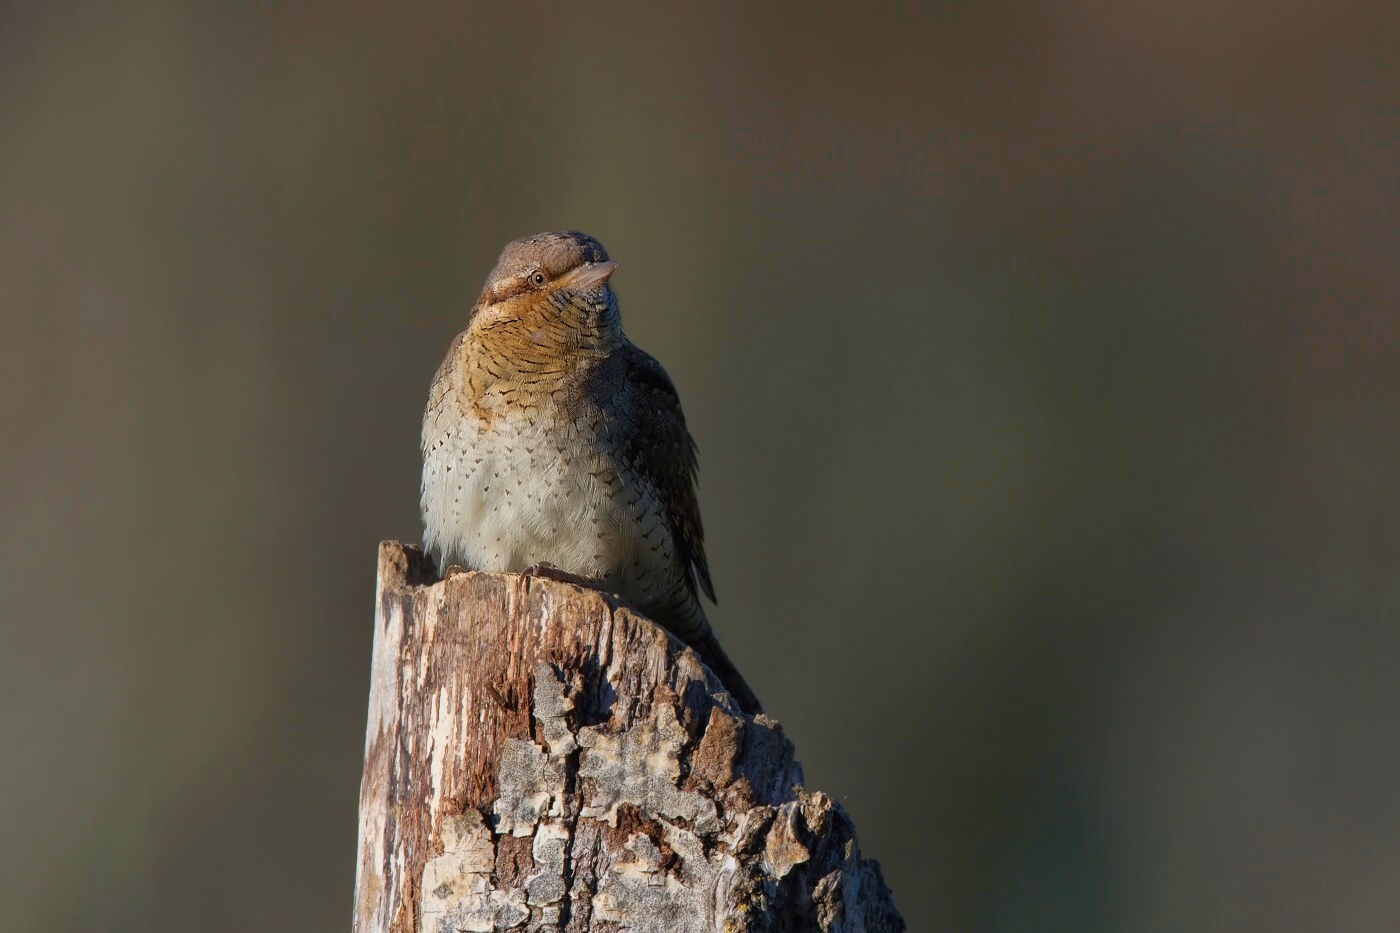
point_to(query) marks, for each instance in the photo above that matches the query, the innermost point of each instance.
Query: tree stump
(541, 757)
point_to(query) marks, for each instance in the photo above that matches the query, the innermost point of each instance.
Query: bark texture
(540, 757)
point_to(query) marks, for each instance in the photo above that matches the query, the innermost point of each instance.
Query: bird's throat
(536, 346)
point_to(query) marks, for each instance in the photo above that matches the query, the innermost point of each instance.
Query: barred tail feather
(716, 660)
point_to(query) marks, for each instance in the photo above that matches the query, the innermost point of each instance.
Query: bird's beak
(591, 275)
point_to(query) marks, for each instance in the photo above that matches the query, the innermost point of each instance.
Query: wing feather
(663, 453)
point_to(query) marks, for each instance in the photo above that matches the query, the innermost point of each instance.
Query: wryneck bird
(552, 443)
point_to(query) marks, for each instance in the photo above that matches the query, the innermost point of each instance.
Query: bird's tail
(707, 646)
(684, 618)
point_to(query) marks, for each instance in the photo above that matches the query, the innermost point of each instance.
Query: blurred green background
(1043, 360)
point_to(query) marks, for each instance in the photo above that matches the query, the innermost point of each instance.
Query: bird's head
(558, 281)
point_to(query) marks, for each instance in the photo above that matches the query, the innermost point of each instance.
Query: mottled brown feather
(658, 446)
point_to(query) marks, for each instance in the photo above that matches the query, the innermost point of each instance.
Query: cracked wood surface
(540, 757)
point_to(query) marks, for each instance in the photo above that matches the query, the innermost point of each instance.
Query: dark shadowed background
(1043, 360)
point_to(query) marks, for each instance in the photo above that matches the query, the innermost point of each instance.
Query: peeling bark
(540, 757)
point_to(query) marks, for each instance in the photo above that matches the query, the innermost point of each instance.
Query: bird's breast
(514, 477)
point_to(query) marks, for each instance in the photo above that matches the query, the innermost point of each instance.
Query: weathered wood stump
(541, 757)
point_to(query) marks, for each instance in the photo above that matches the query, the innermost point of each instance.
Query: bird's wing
(662, 452)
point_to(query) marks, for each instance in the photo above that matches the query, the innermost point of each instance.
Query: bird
(553, 445)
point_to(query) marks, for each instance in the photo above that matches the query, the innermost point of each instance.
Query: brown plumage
(550, 439)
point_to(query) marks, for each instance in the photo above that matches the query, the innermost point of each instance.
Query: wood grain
(541, 757)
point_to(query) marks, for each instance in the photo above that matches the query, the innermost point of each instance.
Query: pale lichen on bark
(541, 758)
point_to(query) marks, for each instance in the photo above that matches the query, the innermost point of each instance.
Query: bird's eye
(537, 278)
